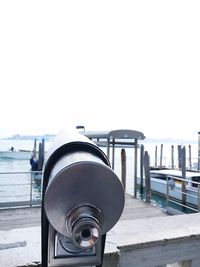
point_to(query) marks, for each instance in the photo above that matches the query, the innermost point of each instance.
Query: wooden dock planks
(28, 217)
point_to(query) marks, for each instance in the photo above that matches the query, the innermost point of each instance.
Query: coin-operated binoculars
(82, 200)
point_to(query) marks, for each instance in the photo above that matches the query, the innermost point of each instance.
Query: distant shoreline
(51, 137)
(170, 141)
(47, 137)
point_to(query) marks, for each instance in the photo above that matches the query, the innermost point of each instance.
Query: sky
(102, 64)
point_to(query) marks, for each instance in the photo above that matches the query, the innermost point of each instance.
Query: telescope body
(82, 199)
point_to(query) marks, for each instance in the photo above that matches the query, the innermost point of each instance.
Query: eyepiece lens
(86, 233)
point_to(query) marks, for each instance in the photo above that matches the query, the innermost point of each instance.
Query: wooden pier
(28, 217)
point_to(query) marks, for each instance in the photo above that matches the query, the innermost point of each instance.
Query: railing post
(183, 176)
(167, 191)
(198, 198)
(135, 169)
(31, 191)
(123, 168)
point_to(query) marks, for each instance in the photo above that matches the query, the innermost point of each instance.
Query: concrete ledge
(145, 232)
(111, 255)
(28, 255)
(157, 241)
(145, 242)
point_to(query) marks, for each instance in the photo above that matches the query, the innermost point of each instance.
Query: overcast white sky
(102, 64)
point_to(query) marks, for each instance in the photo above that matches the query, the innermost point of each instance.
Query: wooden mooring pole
(190, 158)
(161, 155)
(35, 148)
(172, 157)
(147, 177)
(179, 157)
(123, 168)
(156, 156)
(41, 154)
(141, 170)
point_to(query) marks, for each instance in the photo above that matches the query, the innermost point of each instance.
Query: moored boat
(169, 183)
(16, 154)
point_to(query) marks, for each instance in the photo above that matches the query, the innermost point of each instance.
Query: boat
(16, 154)
(167, 182)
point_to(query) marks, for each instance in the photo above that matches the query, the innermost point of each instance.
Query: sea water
(14, 186)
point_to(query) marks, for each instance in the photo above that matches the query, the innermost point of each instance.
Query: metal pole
(113, 154)
(135, 170)
(198, 151)
(108, 147)
(123, 168)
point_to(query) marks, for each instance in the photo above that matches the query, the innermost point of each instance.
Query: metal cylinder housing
(84, 197)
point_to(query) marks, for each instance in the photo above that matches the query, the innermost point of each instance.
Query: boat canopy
(116, 138)
(176, 173)
(120, 138)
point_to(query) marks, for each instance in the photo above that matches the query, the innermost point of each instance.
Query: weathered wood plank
(123, 168)
(25, 217)
(147, 177)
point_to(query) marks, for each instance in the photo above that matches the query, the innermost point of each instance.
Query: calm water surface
(18, 185)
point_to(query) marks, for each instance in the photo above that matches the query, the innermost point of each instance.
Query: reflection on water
(11, 165)
(37, 190)
(160, 201)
